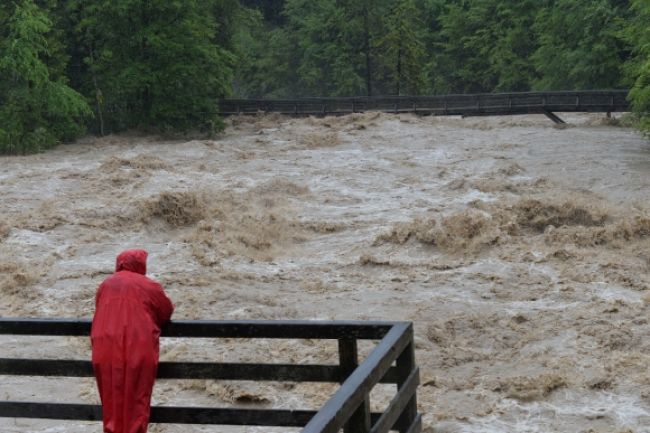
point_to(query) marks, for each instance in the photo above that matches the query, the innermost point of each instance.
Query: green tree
(363, 27)
(637, 33)
(402, 48)
(485, 45)
(37, 109)
(271, 9)
(434, 78)
(579, 47)
(328, 63)
(266, 65)
(153, 64)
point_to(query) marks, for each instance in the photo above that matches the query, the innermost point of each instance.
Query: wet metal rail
(392, 361)
(488, 104)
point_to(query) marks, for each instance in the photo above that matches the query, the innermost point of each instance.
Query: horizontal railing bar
(60, 411)
(393, 98)
(189, 370)
(439, 104)
(349, 396)
(249, 417)
(256, 372)
(397, 405)
(458, 104)
(292, 329)
(164, 414)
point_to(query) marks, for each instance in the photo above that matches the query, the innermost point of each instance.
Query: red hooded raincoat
(129, 311)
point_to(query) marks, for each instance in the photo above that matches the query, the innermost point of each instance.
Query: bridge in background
(486, 104)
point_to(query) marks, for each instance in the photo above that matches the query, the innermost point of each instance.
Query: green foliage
(331, 47)
(153, 64)
(484, 46)
(265, 65)
(402, 49)
(637, 34)
(271, 10)
(37, 108)
(328, 64)
(364, 25)
(163, 64)
(325, 48)
(579, 45)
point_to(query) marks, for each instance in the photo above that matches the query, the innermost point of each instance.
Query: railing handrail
(348, 408)
(282, 329)
(332, 416)
(599, 92)
(474, 104)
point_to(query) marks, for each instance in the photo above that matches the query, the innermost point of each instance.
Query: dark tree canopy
(153, 64)
(37, 108)
(638, 68)
(162, 65)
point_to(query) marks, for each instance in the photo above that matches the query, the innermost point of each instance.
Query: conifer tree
(155, 64)
(579, 47)
(403, 54)
(637, 34)
(364, 25)
(485, 46)
(37, 108)
(328, 64)
(266, 65)
(432, 10)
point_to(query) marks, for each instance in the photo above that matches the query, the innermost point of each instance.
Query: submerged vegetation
(162, 65)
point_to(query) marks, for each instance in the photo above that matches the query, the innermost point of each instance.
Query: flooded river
(520, 250)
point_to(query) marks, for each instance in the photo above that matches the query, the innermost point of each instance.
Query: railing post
(406, 364)
(348, 357)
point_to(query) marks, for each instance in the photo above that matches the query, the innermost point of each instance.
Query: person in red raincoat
(129, 311)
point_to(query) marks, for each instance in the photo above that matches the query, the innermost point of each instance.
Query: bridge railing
(390, 362)
(465, 105)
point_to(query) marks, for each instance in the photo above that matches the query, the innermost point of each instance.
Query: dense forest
(110, 65)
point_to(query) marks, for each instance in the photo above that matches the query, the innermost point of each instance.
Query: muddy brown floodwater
(520, 251)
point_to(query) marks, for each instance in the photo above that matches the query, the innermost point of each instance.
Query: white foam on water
(610, 292)
(567, 411)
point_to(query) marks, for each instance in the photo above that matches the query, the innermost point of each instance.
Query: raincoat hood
(132, 260)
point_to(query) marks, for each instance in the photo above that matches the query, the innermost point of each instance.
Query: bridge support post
(348, 355)
(405, 364)
(554, 117)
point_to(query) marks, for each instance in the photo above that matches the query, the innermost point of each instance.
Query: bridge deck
(598, 101)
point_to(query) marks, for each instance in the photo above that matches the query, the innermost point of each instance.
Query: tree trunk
(399, 69)
(146, 102)
(99, 97)
(366, 25)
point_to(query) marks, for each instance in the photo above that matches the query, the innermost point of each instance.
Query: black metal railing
(392, 361)
(463, 105)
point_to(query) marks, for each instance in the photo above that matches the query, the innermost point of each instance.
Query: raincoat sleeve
(162, 305)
